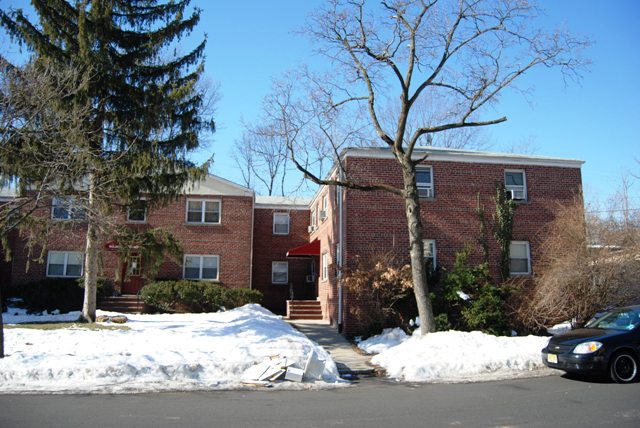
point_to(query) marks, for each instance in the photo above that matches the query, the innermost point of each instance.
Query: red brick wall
(230, 240)
(268, 248)
(375, 221)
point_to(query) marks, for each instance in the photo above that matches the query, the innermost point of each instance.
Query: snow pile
(455, 356)
(19, 316)
(389, 338)
(165, 352)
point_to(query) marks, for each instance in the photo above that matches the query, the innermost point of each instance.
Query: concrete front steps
(304, 310)
(127, 303)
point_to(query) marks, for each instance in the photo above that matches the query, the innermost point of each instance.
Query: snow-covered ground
(455, 356)
(152, 353)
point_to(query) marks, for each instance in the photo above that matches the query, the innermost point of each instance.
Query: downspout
(340, 257)
(253, 213)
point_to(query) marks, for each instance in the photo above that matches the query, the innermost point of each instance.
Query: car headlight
(587, 348)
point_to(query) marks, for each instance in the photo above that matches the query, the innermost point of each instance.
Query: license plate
(552, 358)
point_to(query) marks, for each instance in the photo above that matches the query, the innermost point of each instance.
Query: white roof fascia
(282, 203)
(468, 156)
(214, 185)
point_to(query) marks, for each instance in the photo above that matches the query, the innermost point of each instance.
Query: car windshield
(621, 319)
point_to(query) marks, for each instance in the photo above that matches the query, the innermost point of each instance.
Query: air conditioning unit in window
(323, 215)
(425, 192)
(311, 228)
(310, 278)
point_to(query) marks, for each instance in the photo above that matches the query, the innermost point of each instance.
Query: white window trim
(66, 264)
(325, 266)
(137, 221)
(430, 187)
(273, 265)
(528, 249)
(524, 184)
(71, 206)
(201, 257)
(202, 211)
(282, 214)
(425, 243)
(325, 206)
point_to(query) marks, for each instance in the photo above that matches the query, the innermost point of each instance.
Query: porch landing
(348, 360)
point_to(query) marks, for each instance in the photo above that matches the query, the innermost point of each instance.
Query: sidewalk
(349, 361)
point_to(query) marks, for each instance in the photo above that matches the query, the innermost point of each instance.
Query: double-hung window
(519, 258)
(200, 211)
(325, 266)
(66, 264)
(280, 272)
(280, 223)
(324, 212)
(137, 212)
(67, 208)
(201, 267)
(515, 183)
(429, 253)
(424, 181)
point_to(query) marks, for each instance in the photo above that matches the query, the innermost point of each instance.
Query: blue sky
(598, 120)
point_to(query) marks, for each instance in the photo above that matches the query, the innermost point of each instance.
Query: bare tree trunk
(416, 249)
(91, 258)
(1, 327)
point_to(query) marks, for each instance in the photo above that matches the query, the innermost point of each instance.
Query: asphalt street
(540, 402)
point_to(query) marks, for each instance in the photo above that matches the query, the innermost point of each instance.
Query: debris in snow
(314, 367)
(278, 368)
(463, 295)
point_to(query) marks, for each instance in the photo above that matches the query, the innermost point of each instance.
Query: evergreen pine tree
(146, 112)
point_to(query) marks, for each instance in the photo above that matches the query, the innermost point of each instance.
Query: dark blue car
(608, 345)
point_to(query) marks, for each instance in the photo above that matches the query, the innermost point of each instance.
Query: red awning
(306, 250)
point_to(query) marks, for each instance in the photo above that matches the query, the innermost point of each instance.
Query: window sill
(201, 224)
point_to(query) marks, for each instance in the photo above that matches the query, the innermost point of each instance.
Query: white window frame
(71, 208)
(281, 215)
(425, 190)
(203, 211)
(144, 220)
(517, 188)
(65, 265)
(274, 267)
(325, 207)
(313, 217)
(430, 251)
(201, 258)
(325, 266)
(528, 253)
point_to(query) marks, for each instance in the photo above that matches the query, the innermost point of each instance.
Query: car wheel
(624, 368)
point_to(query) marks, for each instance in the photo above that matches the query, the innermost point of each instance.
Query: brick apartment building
(293, 250)
(351, 223)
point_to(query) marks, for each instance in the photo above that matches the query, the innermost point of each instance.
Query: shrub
(50, 294)
(377, 288)
(485, 307)
(196, 296)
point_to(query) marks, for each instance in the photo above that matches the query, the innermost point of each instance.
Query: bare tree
(581, 277)
(389, 56)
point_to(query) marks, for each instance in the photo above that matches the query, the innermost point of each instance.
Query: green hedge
(196, 296)
(63, 294)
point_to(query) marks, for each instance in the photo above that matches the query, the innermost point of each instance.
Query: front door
(134, 281)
